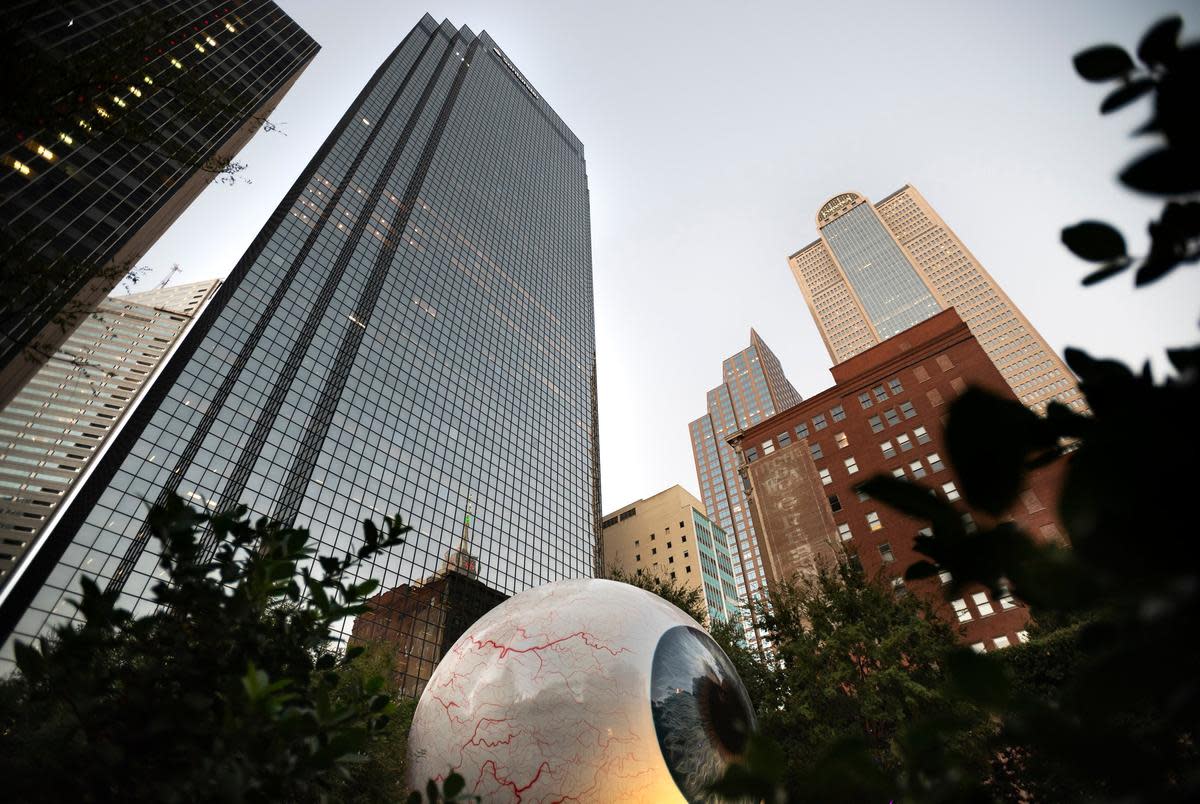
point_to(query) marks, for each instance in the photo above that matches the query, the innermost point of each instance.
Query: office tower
(670, 536)
(117, 115)
(883, 415)
(66, 413)
(411, 332)
(878, 269)
(754, 389)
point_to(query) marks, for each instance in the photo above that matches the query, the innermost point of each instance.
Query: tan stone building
(878, 269)
(671, 536)
(66, 413)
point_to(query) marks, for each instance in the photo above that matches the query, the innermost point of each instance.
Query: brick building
(884, 414)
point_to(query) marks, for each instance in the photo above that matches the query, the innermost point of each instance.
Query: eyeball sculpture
(584, 690)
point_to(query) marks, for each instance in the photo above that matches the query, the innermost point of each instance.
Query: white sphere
(583, 690)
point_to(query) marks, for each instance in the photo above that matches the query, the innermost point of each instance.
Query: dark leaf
(431, 791)
(1103, 63)
(920, 569)
(1166, 171)
(29, 660)
(1107, 270)
(414, 797)
(1160, 42)
(453, 785)
(1185, 360)
(1153, 270)
(914, 500)
(1094, 240)
(989, 439)
(1123, 96)
(1091, 370)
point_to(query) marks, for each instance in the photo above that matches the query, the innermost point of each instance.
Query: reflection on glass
(702, 714)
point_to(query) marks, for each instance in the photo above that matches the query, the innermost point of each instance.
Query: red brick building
(885, 414)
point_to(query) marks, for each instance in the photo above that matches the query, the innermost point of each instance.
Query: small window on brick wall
(815, 449)
(921, 374)
(944, 362)
(844, 532)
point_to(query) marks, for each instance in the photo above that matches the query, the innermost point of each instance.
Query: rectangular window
(944, 362)
(838, 413)
(885, 552)
(819, 422)
(918, 469)
(935, 462)
(825, 478)
(898, 587)
(904, 442)
(880, 393)
(851, 465)
(921, 374)
(895, 387)
(889, 451)
(978, 647)
(844, 532)
(876, 424)
(945, 577)
(768, 447)
(638, 557)
(1022, 636)
(864, 399)
(898, 471)
(816, 451)
(873, 521)
(834, 503)
(670, 559)
(842, 440)
(893, 418)
(653, 551)
(751, 455)
(969, 523)
(1001, 641)
(802, 430)
(784, 439)
(922, 435)
(934, 397)
(951, 490)
(961, 610)
(980, 599)
(908, 410)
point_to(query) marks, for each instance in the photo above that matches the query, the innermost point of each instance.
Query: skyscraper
(877, 270)
(66, 413)
(117, 115)
(669, 536)
(754, 389)
(412, 331)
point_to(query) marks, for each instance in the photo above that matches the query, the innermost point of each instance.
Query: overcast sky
(714, 131)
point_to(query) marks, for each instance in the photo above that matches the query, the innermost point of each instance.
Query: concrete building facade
(884, 414)
(670, 536)
(65, 414)
(754, 389)
(878, 269)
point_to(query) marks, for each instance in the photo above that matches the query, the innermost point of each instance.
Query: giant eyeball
(584, 690)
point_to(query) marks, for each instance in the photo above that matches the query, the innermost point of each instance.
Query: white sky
(713, 132)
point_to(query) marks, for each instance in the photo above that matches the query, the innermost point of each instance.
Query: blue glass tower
(411, 331)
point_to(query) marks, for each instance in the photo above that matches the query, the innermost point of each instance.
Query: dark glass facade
(411, 331)
(886, 283)
(117, 116)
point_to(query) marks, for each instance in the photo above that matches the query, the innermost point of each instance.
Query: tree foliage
(228, 691)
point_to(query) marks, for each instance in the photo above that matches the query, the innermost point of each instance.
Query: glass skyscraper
(117, 115)
(754, 389)
(412, 331)
(878, 269)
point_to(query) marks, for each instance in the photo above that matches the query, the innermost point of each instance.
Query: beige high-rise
(670, 536)
(878, 269)
(62, 418)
